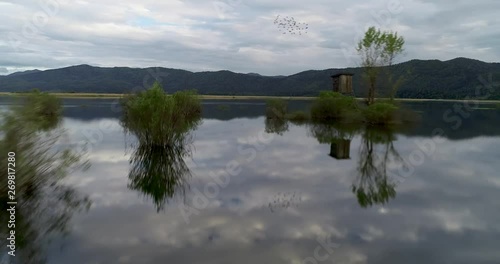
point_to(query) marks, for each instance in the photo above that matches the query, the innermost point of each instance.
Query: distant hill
(23, 72)
(254, 74)
(453, 79)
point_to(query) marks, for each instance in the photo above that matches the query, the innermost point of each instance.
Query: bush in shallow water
(159, 119)
(380, 113)
(41, 109)
(42, 160)
(335, 106)
(276, 108)
(31, 130)
(44, 104)
(189, 106)
(37, 111)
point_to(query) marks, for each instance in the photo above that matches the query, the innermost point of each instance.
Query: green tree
(378, 49)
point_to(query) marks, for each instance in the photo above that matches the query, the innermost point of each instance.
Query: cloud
(235, 35)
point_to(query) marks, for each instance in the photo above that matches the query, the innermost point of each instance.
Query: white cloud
(237, 35)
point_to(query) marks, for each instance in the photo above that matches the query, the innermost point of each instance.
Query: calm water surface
(288, 197)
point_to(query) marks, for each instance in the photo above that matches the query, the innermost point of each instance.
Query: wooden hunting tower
(342, 82)
(341, 149)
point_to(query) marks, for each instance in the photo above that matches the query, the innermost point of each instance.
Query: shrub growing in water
(380, 113)
(335, 106)
(46, 204)
(38, 111)
(41, 109)
(276, 108)
(44, 104)
(159, 119)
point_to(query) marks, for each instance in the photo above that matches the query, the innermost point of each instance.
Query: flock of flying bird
(284, 201)
(288, 24)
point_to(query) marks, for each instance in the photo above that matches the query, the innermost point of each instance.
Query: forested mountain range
(453, 79)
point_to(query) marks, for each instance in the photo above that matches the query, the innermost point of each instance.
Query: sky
(236, 35)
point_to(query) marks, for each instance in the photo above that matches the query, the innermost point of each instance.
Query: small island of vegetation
(162, 124)
(377, 49)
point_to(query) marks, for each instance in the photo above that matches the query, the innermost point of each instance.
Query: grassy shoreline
(235, 97)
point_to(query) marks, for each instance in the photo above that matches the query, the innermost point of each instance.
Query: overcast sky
(237, 35)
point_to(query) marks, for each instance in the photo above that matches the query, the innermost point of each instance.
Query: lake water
(287, 197)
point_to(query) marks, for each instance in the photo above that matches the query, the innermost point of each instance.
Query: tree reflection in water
(377, 151)
(339, 137)
(159, 172)
(44, 205)
(373, 184)
(276, 126)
